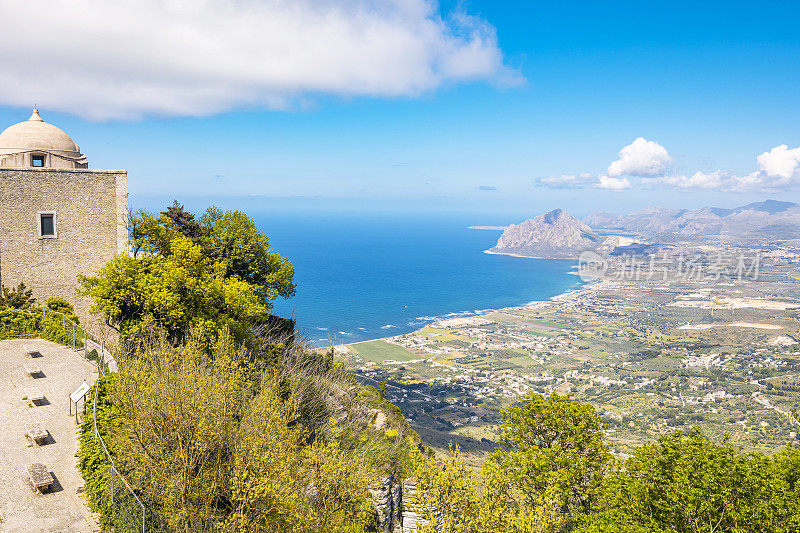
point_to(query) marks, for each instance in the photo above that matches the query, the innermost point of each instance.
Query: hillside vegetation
(554, 473)
(219, 418)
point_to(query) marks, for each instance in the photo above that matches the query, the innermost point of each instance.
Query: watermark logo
(591, 265)
(664, 265)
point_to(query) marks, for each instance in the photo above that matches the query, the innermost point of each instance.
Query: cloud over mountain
(640, 158)
(778, 169)
(780, 162)
(180, 57)
(613, 184)
(649, 164)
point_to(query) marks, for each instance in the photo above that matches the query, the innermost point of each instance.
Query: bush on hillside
(211, 442)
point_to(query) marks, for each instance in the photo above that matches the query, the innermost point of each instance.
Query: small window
(47, 225)
(37, 160)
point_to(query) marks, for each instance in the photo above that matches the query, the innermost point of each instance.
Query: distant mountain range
(769, 217)
(553, 234)
(557, 234)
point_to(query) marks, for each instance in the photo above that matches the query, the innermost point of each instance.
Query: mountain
(767, 206)
(553, 234)
(598, 218)
(769, 216)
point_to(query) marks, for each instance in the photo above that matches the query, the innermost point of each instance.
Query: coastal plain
(652, 351)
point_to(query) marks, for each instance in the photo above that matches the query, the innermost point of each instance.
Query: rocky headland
(555, 234)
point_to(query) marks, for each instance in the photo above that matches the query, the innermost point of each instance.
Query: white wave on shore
(425, 320)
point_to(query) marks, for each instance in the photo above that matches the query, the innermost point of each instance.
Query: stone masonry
(90, 209)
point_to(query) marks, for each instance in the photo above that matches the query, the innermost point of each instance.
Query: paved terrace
(63, 370)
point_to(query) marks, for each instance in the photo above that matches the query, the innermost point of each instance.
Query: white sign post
(78, 395)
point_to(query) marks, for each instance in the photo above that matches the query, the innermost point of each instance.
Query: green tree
(179, 415)
(686, 483)
(183, 291)
(179, 219)
(232, 239)
(184, 274)
(451, 498)
(62, 306)
(211, 449)
(555, 443)
(19, 297)
(228, 238)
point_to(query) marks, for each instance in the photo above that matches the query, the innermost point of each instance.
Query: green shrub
(91, 461)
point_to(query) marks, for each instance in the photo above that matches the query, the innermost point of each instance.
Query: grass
(539, 333)
(522, 361)
(379, 351)
(548, 323)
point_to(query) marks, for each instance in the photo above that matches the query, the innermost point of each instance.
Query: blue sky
(564, 88)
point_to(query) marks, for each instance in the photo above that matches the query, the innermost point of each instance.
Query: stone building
(58, 218)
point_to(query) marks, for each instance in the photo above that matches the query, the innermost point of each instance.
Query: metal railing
(124, 500)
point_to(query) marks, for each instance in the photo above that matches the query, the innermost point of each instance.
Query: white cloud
(721, 180)
(780, 162)
(567, 181)
(614, 184)
(105, 59)
(778, 170)
(641, 158)
(698, 180)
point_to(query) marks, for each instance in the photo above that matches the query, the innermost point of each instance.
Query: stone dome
(35, 136)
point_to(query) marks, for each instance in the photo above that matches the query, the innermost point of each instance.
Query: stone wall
(91, 208)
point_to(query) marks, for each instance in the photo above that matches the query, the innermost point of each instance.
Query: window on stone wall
(37, 160)
(47, 224)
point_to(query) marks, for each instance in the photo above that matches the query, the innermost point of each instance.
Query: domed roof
(36, 134)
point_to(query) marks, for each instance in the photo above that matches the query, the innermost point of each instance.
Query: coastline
(588, 288)
(511, 254)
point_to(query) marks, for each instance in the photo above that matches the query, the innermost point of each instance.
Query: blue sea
(368, 275)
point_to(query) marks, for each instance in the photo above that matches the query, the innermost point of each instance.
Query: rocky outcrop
(551, 235)
(394, 503)
(387, 496)
(410, 516)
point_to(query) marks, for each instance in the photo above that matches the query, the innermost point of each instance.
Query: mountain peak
(551, 216)
(552, 234)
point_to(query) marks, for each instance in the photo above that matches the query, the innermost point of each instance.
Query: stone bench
(40, 477)
(31, 350)
(32, 370)
(37, 434)
(34, 394)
